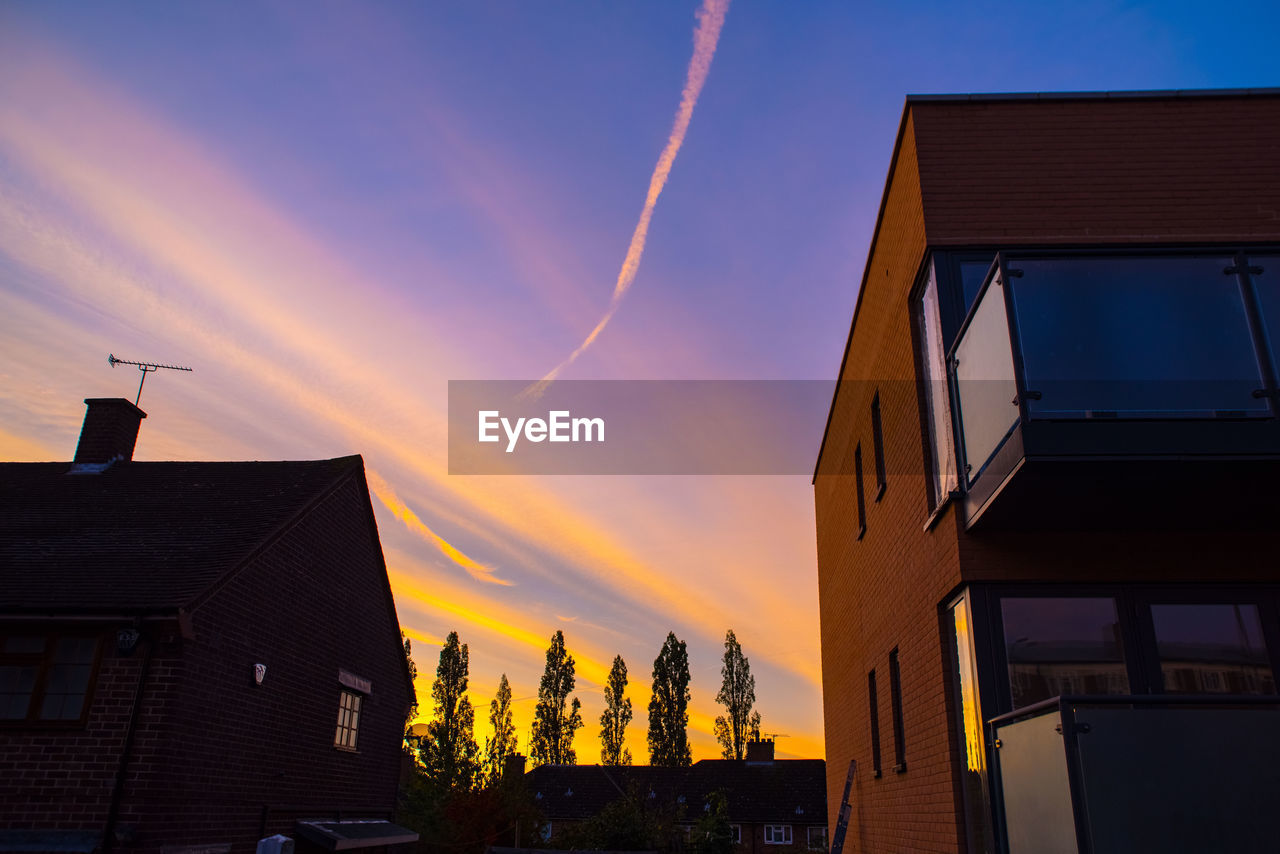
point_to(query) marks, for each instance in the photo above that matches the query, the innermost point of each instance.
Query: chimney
(110, 430)
(760, 751)
(512, 767)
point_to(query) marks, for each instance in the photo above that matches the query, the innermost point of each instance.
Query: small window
(735, 834)
(818, 838)
(777, 834)
(874, 704)
(348, 720)
(857, 477)
(877, 437)
(895, 696)
(1212, 649)
(46, 678)
(544, 832)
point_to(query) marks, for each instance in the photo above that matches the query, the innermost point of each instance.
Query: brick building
(193, 655)
(771, 805)
(1046, 496)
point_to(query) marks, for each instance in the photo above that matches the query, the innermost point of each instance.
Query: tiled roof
(142, 536)
(790, 790)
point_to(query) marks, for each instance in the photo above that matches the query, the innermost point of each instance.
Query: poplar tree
(669, 706)
(555, 720)
(737, 695)
(503, 741)
(617, 714)
(449, 752)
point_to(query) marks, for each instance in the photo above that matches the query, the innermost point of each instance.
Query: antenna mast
(145, 367)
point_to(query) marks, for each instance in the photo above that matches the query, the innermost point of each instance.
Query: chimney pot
(110, 430)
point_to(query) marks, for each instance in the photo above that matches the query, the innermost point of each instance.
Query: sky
(330, 210)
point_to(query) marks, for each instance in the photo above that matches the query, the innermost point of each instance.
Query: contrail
(705, 37)
(401, 511)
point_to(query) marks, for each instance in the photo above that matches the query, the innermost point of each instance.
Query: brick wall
(247, 760)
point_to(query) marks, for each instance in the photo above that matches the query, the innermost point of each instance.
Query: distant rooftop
(1117, 95)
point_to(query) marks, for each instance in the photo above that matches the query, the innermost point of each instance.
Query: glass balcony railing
(1109, 336)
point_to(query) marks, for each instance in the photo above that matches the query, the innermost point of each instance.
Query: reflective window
(348, 720)
(1268, 285)
(973, 765)
(972, 275)
(1212, 649)
(1134, 336)
(936, 394)
(1063, 645)
(985, 383)
(67, 681)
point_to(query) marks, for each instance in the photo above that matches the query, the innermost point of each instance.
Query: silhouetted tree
(503, 740)
(669, 706)
(617, 714)
(712, 834)
(413, 678)
(737, 695)
(449, 752)
(553, 723)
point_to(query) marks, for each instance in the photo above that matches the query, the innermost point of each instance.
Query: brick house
(772, 805)
(1046, 497)
(193, 655)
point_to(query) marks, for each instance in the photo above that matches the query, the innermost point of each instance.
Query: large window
(935, 392)
(1212, 649)
(1063, 645)
(46, 678)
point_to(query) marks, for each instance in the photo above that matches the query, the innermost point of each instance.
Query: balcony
(1132, 390)
(1094, 775)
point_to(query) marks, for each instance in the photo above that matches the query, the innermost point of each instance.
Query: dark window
(735, 833)
(862, 504)
(1063, 645)
(895, 696)
(777, 834)
(46, 678)
(874, 705)
(348, 720)
(1212, 649)
(818, 838)
(972, 275)
(877, 436)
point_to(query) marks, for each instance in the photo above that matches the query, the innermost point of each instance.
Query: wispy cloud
(705, 37)
(401, 511)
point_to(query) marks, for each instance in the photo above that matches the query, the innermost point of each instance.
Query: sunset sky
(330, 210)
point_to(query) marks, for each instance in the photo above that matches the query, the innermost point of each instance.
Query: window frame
(44, 662)
(877, 442)
(773, 829)
(873, 703)
(809, 837)
(344, 716)
(735, 834)
(858, 482)
(895, 697)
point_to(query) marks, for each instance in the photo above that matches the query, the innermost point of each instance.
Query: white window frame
(346, 734)
(777, 834)
(735, 834)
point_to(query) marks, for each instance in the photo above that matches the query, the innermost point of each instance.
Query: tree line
(451, 758)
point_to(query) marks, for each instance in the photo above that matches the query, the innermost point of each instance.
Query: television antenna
(145, 367)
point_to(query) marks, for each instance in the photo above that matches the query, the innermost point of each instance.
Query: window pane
(985, 382)
(973, 774)
(1134, 336)
(1268, 285)
(937, 396)
(1212, 649)
(24, 645)
(16, 684)
(972, 275)
(1066, 645)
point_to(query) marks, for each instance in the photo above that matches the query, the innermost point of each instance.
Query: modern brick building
(1047, 495)
(193, 655)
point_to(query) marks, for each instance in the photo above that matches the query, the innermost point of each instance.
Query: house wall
(246, 761)
(1000, 173)
(63, 776)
